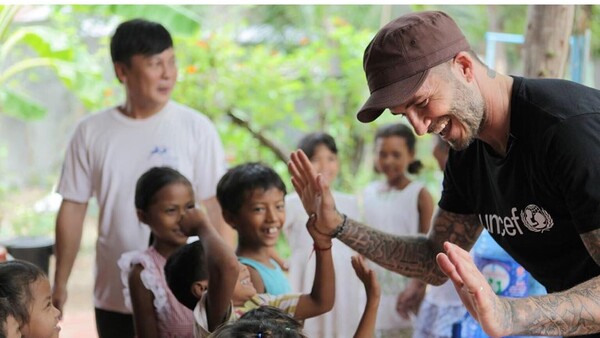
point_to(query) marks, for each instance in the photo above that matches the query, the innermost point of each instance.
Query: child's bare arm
(322, 296)
(223, 266)
(257, 280)
(366, 327)
(142, 302)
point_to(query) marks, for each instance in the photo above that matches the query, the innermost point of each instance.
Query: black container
(34, 249)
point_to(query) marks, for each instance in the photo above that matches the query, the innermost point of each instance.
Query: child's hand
(193, 220)
(282, 262)
(314, 192)
(367, 276)
(321, 240)
(409, 300)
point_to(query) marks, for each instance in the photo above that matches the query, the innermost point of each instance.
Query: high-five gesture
(491, 311)
(314, 193)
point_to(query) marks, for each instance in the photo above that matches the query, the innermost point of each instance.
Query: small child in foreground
(27, 290)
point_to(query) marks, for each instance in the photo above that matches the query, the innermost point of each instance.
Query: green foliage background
(303, 73)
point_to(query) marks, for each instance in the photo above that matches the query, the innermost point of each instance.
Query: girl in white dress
(343, 319)
(399, 206)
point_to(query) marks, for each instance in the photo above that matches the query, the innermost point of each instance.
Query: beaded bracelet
(340, 228)
(317, 248)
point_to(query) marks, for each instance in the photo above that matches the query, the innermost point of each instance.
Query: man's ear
(463, 61)
(120, 71)
(198, 288)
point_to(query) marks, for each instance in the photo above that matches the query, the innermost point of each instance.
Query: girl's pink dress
(174, 319)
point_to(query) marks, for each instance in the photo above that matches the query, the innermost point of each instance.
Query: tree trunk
(496, 24)
(546, 48)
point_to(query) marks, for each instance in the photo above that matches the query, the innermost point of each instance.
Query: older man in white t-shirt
(108, 152)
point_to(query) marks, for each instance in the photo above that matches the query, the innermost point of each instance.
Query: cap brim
(390, 96)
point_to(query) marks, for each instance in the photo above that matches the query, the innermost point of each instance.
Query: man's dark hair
(138, 36)
(403, 131)
(184, 267)
(240, 181)
(309, 143)
(16, 278)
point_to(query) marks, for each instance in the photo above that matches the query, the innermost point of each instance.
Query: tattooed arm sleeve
(413, 256)
(571, 312)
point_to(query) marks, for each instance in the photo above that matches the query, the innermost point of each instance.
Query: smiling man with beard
(524, 164)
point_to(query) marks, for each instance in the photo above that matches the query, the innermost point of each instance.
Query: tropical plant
(27, 47)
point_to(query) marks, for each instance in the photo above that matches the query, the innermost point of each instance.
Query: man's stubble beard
(469, 109)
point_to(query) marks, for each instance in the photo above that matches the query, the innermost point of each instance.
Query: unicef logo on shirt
(536, 219)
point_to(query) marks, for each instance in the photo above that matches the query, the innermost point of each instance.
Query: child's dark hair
(138, 36)
(267, 312)
(264, 322)
(309, 143)
(184, 267)
(5, 311)
(241, 180)
(403, 131)
(16, 278)
(152, 181)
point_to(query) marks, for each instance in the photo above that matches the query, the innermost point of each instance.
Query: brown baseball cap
(400, 55)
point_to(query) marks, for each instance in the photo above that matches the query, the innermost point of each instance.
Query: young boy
(251, 196)
(232, 292)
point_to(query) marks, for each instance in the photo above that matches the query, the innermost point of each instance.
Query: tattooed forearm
(572, 312)
(462, 230)
(412, 256)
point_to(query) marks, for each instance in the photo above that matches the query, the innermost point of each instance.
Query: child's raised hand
(366, 327)
(193, 221)
(366, 276)
(314, 192)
